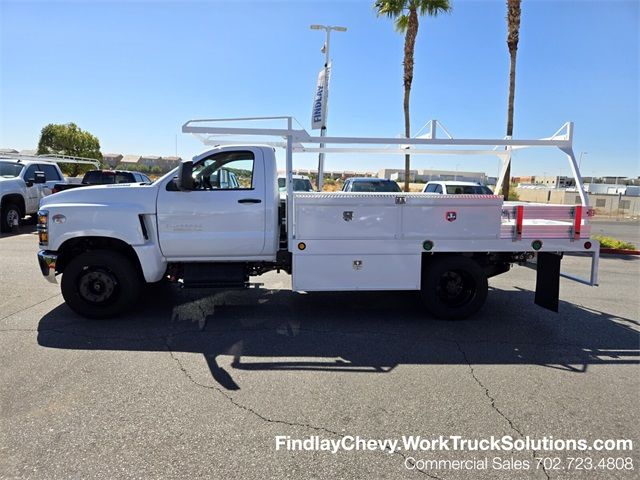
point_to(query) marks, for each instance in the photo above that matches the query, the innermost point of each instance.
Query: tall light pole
(323, 127)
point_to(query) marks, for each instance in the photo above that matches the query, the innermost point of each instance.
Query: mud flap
(548, 280)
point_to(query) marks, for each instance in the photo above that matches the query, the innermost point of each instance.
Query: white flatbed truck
(107, 241)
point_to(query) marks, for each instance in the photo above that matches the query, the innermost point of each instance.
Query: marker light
(587, 245)
(427, 245)
(43, 227)
(302, 246)
(536, 244)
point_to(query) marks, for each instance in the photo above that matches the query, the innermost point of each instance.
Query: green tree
(513, 194)
(513, 35)
(406, 14)
(69, 139)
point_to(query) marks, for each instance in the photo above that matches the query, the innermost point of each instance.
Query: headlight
(43, 227)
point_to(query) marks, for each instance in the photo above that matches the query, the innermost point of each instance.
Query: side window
(431, 188)
(438, 189)
(30, 174)
(144, 178)
(225, 171)
(50, 172)
(124, 178)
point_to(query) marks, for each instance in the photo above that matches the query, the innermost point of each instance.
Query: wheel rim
(456, 288)
(13, 216)
(97, 285)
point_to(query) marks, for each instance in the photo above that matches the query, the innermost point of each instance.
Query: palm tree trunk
(409, 47)
(512, 91)
(513, 35)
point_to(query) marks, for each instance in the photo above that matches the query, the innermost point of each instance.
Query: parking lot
(199, 384)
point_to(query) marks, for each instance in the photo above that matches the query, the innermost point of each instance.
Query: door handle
(249, 200)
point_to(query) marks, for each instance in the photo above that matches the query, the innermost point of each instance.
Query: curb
(619, 252)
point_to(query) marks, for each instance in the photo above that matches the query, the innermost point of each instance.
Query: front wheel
(100, 284)
(11, 216)
(453, 287)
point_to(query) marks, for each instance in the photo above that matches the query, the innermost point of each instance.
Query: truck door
(33, 196)
(217, 219)
(52, 177)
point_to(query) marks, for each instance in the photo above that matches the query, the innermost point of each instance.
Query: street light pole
(323, 127)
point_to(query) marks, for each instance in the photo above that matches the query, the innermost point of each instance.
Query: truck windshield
(375, 186)
(468, 189)
(302, 185)
(98, 177)
(299, 185)
(10, 169)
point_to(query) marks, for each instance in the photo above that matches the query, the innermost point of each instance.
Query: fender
(122, 214)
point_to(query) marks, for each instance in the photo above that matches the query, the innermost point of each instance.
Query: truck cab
(212, 222)
(229, 211)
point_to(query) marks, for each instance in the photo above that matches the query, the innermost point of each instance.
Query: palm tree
(513, 35)
(406, 14)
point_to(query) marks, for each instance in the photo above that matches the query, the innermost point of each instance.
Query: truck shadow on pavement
(266, 330)
(26, 228)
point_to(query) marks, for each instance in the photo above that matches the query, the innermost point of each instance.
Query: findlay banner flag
(319, 110)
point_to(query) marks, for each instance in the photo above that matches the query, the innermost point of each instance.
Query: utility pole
(325, 103)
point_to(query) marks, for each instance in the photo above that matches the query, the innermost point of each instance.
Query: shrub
(614, 243)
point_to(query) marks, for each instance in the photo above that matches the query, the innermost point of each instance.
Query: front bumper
(47, 261)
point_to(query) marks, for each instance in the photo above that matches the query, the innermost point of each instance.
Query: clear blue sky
(132, 72)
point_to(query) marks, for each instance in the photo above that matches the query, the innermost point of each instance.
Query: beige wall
(608, 205)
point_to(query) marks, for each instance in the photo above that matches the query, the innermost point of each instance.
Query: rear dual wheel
(100, 284)
(453, 287)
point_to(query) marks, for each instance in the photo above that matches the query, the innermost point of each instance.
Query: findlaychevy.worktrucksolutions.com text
(506, 443)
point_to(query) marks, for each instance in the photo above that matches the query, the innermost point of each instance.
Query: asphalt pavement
(195, 384)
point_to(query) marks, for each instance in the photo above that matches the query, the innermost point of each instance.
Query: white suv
(456, 188)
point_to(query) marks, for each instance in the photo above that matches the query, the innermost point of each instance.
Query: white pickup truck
(107, 241)
(24, 181)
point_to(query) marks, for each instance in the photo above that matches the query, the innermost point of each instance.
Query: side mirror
(40, 177)
(184, 181)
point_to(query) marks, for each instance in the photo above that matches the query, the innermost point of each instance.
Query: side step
(218, 275)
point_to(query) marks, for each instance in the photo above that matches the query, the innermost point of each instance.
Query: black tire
(10, 212)
(453, 287)
(100, 284)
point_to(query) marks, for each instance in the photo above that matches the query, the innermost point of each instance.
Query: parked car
(368, 184)
(456, 188)
(301, 183)
(23, 183)
(104, 177)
